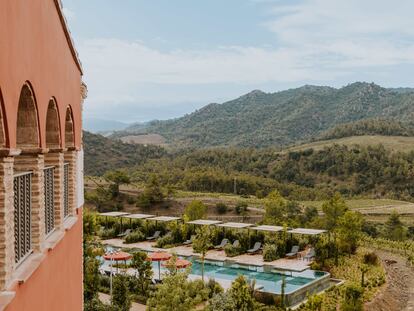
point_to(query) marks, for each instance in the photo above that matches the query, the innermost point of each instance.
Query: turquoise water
(270, 282)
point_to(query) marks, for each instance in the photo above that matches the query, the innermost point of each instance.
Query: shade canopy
(235, 225)
(179, 264)
(117, 256)
(165, 218)
(138, 216)
(113, 214)
(268, 228)
(159, 256)
(204, 222)
(306, 231)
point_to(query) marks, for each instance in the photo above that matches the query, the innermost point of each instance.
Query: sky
(161, 59)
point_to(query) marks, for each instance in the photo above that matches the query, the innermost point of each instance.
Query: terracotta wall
(57, 283)
(34, 48)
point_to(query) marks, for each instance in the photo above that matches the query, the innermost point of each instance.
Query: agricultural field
(396, 143)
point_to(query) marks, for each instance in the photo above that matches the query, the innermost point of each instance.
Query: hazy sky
(157, 59)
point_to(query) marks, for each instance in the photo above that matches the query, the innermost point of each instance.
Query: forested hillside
(306, 175)
(260, 119)
(102, 154)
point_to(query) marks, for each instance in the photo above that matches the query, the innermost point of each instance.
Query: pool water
(270, 282)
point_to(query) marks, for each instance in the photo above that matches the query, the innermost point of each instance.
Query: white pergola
(138, 216)
(204, 222)
(234, 225)
(306, 231)
(165, 218)
(113, 214)
(267, 228)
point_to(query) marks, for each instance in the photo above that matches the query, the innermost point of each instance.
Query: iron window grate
(66, 190)
(49, 199)
(22, 187)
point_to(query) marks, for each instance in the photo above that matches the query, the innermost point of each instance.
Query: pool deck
(283, 264)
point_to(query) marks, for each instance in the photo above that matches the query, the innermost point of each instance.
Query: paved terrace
(282, 264)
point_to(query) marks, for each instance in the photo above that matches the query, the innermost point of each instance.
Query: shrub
(108, 233)
(270, 252)
(371, 258)
(131, 200)
(221, 208)
(135, 236)
(232, 251)
(241, 208)
(214, 288)
(352, 298)
(165, 241)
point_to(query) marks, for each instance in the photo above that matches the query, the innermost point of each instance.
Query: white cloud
(349, 33)
(317, 40)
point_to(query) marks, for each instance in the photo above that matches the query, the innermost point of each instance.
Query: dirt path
(398, 293)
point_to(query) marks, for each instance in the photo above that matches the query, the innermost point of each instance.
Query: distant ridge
(259, 119)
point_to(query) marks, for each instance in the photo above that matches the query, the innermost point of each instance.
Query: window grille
(66, 189)
(49, 199)
(22, 215)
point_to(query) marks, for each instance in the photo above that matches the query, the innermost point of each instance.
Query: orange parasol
(159, 256)
(180, 264)
(117, 256)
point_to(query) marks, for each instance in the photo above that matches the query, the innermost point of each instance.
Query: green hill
(102, 154)
(260, 119)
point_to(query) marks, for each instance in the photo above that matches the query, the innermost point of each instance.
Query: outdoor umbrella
(159, 256)
(117, 256)
(179, 264)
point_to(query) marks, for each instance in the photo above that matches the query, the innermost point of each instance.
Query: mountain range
(260, 119)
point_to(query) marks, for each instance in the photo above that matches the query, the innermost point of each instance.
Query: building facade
(41, 159)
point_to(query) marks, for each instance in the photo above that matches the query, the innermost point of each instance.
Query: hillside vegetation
(103, 154)
(395, 143)
(260, 119)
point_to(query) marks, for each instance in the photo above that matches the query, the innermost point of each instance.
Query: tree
(90, 277)
(120, 295)
(153, 191)
(349, 231)
(241, 294)
(172, 294)
(144, 273)
(333, 209)
(116, 178)
(352, 300)
(201, 244)
(394, 228)
(195, 210)
(275, 206)
(221, 302)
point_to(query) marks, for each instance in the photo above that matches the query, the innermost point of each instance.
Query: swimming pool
(297, 284)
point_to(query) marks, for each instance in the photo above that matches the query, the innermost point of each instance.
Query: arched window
(27, 124)
(52, 126)
(69, 129)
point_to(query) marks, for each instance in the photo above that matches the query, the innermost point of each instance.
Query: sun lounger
(310, 255)
(125, 233)
(294, 252)
(222, 244)
(256, 248)
(236, 244)
(155, 236)
(190, 241)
